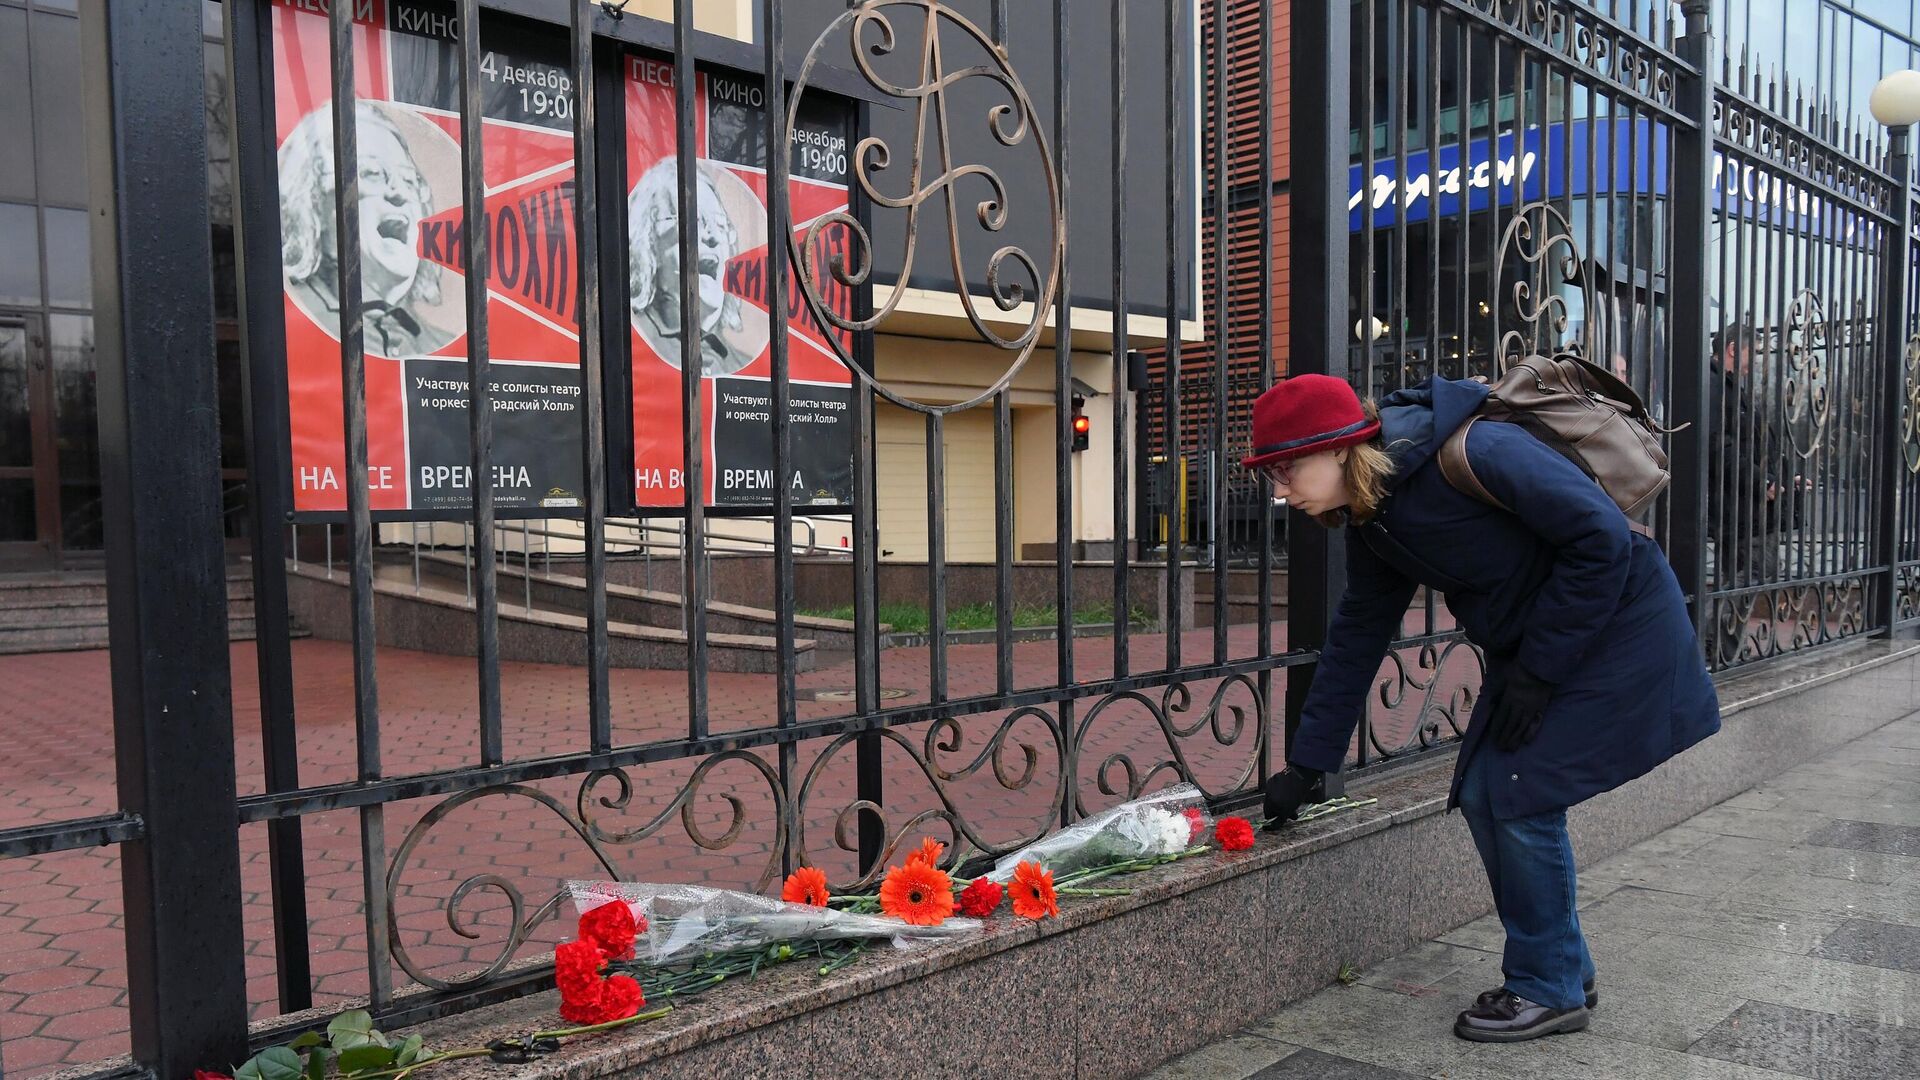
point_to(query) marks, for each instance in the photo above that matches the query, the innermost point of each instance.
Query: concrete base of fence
(1115, 986)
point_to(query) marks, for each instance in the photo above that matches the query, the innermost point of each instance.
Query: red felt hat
(1307, 414)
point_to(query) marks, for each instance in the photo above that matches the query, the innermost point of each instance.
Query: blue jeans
(1530, 865)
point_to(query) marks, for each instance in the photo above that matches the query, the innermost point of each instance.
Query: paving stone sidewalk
(1776, 935)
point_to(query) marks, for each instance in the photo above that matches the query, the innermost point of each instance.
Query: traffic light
(1082, 426)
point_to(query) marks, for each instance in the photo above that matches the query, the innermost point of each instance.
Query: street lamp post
(1895, 102)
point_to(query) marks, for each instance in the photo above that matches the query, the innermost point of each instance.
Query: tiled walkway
(1776, 935)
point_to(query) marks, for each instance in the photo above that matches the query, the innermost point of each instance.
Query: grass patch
(913, 618)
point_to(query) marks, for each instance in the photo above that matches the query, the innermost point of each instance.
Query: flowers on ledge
(636, 941)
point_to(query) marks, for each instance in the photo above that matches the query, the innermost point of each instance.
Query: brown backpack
(1581, 410)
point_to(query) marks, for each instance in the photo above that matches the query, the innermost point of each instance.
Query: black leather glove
(1518, 711)
(1288, 790)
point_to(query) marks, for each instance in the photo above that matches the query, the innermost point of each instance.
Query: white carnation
(1172, 831)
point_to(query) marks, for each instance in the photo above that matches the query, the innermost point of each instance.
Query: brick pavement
(62, 969)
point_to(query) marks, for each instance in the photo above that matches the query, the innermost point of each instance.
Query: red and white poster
(736, 313)
(412, 283)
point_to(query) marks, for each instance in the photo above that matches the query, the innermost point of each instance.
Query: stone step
(38, 639)
(437, 617)
(1243, 582)
(1239, 609)
(566, 593)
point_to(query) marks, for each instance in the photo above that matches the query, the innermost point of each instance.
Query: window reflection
(70, 352)
(69, 262)
(20, 269)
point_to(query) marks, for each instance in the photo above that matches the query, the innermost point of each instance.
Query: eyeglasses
(1279, 472)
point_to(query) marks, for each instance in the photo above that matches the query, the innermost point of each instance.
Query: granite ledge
(1786, 677)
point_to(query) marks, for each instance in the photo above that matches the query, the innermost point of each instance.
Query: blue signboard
(1587, 157)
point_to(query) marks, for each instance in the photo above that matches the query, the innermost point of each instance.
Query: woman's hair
(1367, 469)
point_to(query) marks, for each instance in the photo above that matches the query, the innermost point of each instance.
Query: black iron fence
(1487, 178)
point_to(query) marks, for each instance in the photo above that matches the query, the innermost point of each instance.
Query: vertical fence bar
(1218, 82)
(869, 774)
(473, 195)
(692, 412)
(593, 451)
(1263, 488)
(353, 370)
(1896, 268)
(779, 232)
(1361, 290)
(166, 594)
(1176, 463)
(936, 557)
(1322, 48)
(262, 343)
(1122, 365)
(1692, 219)
(1362, 295)
(1063, 359)
(1062, 401)
(1003, 540)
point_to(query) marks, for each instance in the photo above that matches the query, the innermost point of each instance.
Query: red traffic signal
(1081, 425)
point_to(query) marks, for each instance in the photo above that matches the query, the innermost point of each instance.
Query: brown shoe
(1510, 1018)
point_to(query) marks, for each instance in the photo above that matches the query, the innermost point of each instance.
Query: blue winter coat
(1562, 585)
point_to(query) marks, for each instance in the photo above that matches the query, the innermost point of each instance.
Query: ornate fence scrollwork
(1910, 410)
(1806, 373)
(1787, 618)
(1539, 262)
(943, 736)
(1228, 723)
(1444, 702)
(868, 31)
(599, 841)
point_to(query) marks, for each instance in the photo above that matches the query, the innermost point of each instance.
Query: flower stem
(396, 1073)
(651, 1014)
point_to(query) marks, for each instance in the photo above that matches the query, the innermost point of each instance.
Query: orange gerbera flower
(928, 853)
(1032, 892)
(918, 893)
(805, 886)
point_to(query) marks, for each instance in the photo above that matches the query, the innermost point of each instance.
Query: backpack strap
(1458, 470)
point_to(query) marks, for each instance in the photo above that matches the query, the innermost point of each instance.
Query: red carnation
(1234, 833)
(621, 999)
(980, 898)
(585, 997)
(614, 999)
(204, 1074)
(1196, 823)
(576, 970)
(612, 927)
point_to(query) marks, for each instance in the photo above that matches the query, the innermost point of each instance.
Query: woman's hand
(1516, 716)
(1288, 790)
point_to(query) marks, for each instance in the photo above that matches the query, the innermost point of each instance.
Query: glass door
(29, 469)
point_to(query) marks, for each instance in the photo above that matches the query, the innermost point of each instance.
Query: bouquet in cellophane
(1153, 829)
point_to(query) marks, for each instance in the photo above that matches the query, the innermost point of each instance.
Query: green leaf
(356, 1022)
(409, 1051)
(317, 1063)
(273, 1063)
(308, 1041)
(365, 1059)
